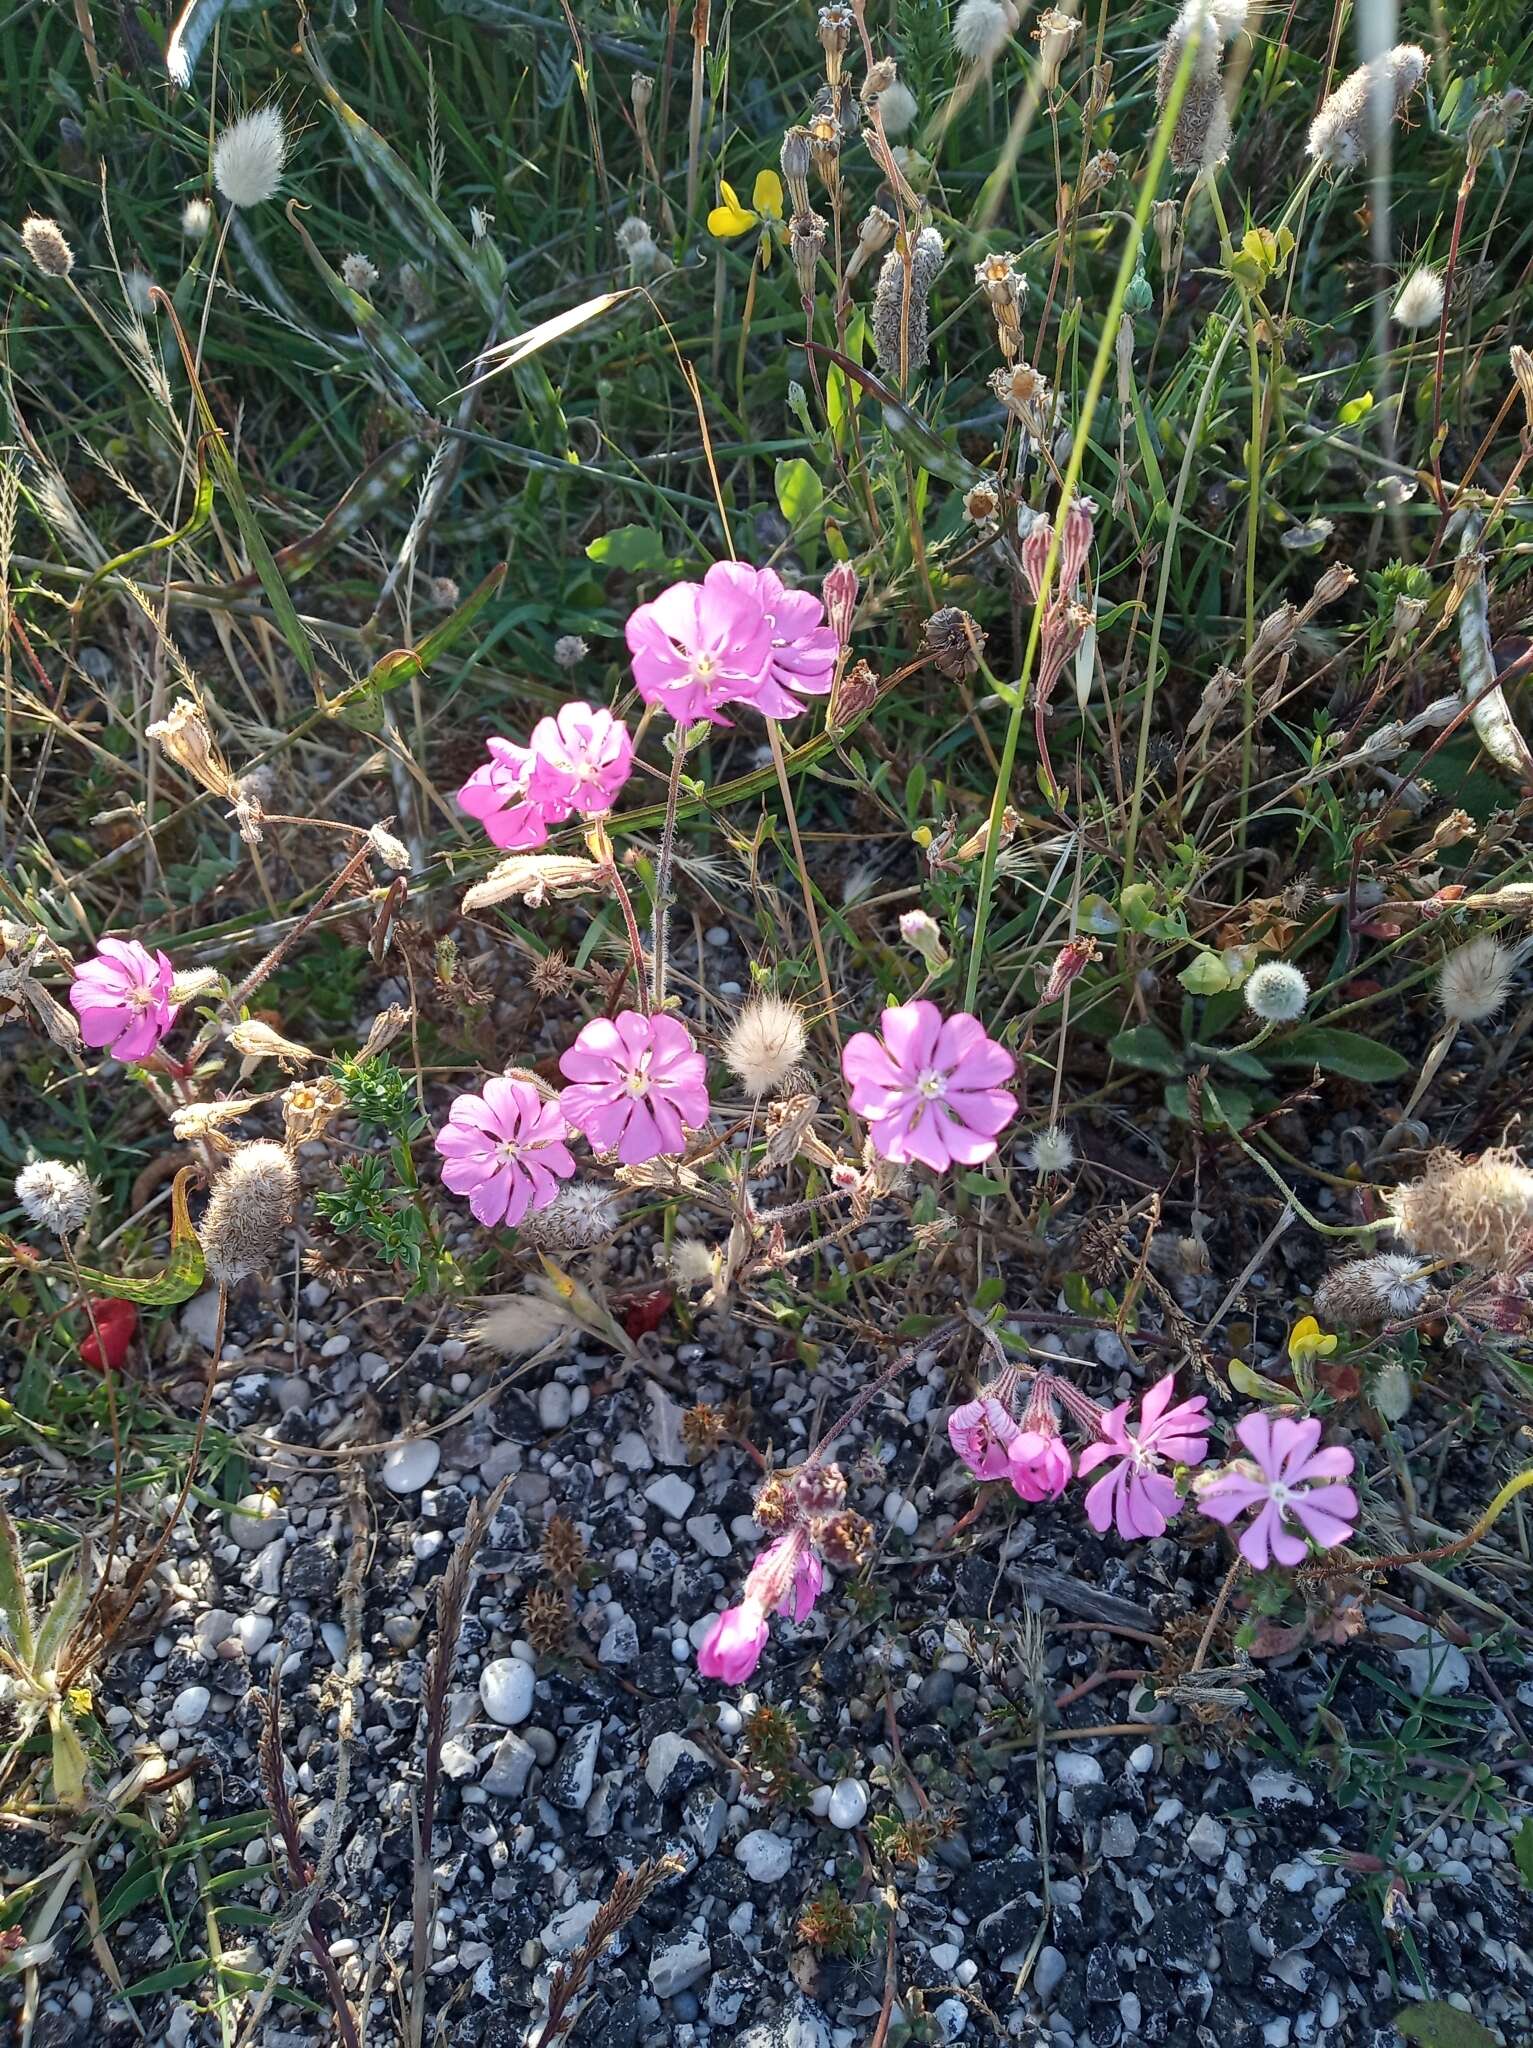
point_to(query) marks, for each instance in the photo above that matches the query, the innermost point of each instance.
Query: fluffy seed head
(56, 1195)
(897, 105)
(196, 218)
(1420, 303)
(765, 1044)
(570, 650)
(520, 1323)
(1472, 982)
(359, 273)
(892, 317)
(1276, 992)
(691, 1262)
(1390, 1390)
(1479, 1212)
(981, 30)
(1342, 133)
(248, 158)
(1366, 1292)
(582, 1214)
(1201, 137)
(44, 242)
(253, 1203)
(1052, 1151)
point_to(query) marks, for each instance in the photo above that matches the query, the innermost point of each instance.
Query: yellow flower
(765, 211)
(1307, 1342)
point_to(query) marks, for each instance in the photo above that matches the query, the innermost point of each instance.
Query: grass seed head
(982, 29)
(1420, 302)
(44, 242)
(1473, 982)
(1343, 132)
(1363, 1293)
(894, 318)
(897, 105)
(248, 158)
(765, 1044)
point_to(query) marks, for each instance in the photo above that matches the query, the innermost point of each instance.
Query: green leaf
(1206, 976)
(1438, 2025)
(800, 494)
(629, 547)
(1522, 1852)
(977, 1184)
(1146, 1045)
(359, 707)
(15, 1600)
(1339, 1052)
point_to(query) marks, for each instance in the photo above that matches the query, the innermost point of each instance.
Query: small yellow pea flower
(765, 211)
(1307, 1342)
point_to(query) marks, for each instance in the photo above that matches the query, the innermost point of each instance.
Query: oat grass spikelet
(1478, 1212)
(43, 240)
(248, 158)
(1420, 302)
(251, 1208)
(892, 317)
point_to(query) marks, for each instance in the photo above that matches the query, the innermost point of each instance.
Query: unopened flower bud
(923, 935)
(819, 1489)
(795, 159)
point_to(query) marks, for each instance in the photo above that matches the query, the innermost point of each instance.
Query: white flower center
(636, 1081)
(703, 666)
(1279, 1495)
(508, 1151)
(931, 1084)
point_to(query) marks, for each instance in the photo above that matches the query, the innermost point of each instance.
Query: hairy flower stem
(1220, 1604)
(1127, 263)
(904, 1357)
(774, 735)
(635, 942)
(661, 908)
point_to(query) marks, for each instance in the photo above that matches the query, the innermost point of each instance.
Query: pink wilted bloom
(640, 1085)
(839, 591)
(1072, 959)
(804, 650)
(505, 1150)
(697, 645)
(981, 1432)
(1037, 1458)
(1136, 1493)
(122, 998)
(1064, 619)
(1288, 1479)
(584, 757)
(930, 1088)
(513, 797)
(787, 1578)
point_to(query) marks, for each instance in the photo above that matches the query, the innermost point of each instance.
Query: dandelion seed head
(248, 157)
(982, 29)
(1052, 1151)
(570, 650)
(1276, 992)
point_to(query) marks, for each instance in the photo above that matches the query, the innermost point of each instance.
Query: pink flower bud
(839, 590)
(732, 1648)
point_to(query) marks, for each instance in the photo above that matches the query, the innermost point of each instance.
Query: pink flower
(512, 797)
(1281, 1487)
(1038, 1460)
(981, 1431)
(732, 1648)
(640, 1084)
(787, 1578)
(697, 645)
(804, 650)
(584, 756)
(930, 1089)
(1137, 1494)
(505, 1150)
(122, 998)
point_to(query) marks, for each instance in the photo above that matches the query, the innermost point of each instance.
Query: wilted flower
(1137, 1494)
(535, 878)
(1055, 33)
(954, 641)
(391, 852)
(638, 1085)
(1026, 394)
(1038, 1460)
(258, 1041)
(839, 594)
(122, 998)
(1276, 992)
(765, 1043)
(248, 158)
(186, 738)
(56, 1194)
(981, 1432)
(931, 1088)
(505, 1150)
(1288, 1480)
(787, 1578)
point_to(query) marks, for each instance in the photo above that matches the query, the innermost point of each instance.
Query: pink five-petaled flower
(804, 649)
(584, 756)
(698, 645)
(787, 1578)
(505, 1150)
(1290, 1481)
(981, 1432)
(122, 998)
(513, 797)
(1037, 1458)
(1137, 1494)
(639, 1085)
(930, 1087)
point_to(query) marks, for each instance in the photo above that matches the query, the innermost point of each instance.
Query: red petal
(116, 1324)
(646, 1312)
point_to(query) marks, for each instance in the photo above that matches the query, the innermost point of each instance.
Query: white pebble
(848, 1804)
(257, 1521)
(767, 1857)
(1074, 1768)
(553, 1405)
(671, 1494)
(188, 1707)
(408, 1467)
(506, 1687)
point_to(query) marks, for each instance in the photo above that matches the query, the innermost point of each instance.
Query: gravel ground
(1201, 1888)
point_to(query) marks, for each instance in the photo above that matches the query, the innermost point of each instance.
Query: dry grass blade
(628, 1894)
(451, 1605)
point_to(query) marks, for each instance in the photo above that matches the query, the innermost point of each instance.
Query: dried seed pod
(954, 641)
(901, 329)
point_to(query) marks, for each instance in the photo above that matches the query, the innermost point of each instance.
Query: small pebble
(409, 1467)
(848, 1804)
(506, 1687)
(189, 1706)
